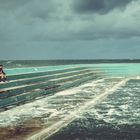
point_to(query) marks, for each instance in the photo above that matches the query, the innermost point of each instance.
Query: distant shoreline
(82, 60)
(32, 63)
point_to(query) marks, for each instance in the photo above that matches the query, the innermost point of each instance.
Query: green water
(123, 69)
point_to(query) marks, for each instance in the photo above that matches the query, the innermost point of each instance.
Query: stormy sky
(69, 29)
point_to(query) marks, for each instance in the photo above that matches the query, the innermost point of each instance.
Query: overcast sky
(69, 29)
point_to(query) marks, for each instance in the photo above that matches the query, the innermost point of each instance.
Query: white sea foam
(69, 118)
(36, 108)
(66, 110)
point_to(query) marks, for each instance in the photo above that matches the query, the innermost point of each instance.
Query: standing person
(2, 74)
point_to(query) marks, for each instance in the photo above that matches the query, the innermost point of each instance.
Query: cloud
(35, 20)
(12, 5)
(99, 6)
(51, 29)
(21, 20)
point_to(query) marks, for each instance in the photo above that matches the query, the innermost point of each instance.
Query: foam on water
(117, 116)
(121, 107)
(37, 108)
(72, 116)
(112, 100)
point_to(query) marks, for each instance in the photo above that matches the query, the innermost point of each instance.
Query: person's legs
(2, 77)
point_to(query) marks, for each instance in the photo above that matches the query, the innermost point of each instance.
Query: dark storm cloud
(35, 20)
(41, 27)
(99, 6)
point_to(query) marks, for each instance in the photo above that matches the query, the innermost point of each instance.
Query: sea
(37, 63)
(117, 117)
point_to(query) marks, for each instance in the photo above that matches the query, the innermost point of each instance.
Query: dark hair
(1, 65)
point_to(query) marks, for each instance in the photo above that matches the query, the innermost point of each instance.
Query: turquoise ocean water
(114, 68)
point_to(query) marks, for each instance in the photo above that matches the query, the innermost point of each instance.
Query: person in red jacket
(2, 74)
